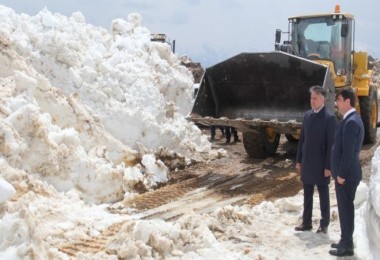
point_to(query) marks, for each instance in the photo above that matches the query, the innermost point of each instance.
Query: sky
(86, 115)
(210, 31)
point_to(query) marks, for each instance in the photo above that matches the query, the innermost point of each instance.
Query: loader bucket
(267, 86)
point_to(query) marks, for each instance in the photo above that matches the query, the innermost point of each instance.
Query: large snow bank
(92, 110)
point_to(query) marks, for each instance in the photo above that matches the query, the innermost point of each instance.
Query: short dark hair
(318, 89)
(347, 93)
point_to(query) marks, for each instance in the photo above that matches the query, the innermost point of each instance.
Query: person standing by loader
(232, 130)
(313, 158)
(213, 132)
(346, 169)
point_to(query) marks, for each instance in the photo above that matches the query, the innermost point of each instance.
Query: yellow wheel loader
(265, 95)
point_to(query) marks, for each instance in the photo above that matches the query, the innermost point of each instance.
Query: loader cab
(325, 38)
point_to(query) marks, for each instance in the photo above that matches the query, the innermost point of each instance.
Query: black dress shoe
(303, 227)
(322, 229)
(335, 245)
(342, 252)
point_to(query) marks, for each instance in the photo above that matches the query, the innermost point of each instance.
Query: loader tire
(291, 138)
(368, 111)
(261, 144)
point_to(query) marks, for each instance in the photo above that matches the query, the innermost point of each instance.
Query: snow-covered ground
(86, 113)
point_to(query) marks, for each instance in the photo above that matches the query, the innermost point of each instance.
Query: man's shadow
(314, 240)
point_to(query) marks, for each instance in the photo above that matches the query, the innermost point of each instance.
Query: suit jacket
(314, 146)
(346, 148)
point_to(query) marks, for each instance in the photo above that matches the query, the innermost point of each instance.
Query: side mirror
(344, 30)
(278, 36)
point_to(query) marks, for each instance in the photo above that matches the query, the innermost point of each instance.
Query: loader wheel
(291, 138)
(368, 111)
(261, 144)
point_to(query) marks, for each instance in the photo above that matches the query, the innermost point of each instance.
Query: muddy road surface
(235, 179)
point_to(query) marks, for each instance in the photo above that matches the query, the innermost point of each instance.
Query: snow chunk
(6, 190)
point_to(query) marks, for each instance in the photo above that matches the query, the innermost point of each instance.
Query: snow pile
(368, 216)
(192, 236)
(137, 89)
(39, 219)
(78, 101)
(6, 190)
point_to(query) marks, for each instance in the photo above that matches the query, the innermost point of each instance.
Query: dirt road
(232, 180)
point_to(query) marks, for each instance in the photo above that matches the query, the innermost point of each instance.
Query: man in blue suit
(346, 169)
(313, 158)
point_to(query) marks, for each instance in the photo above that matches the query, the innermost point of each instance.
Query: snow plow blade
(254, 90)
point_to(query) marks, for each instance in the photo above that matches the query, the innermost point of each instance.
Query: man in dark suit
(313, 158)
(346, 169)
